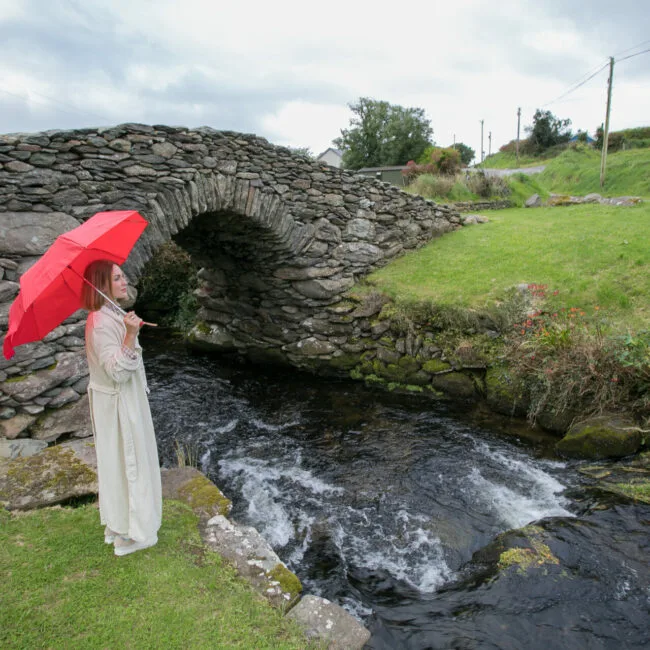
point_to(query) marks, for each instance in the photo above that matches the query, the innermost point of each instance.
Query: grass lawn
(593, 255)
(62, 587)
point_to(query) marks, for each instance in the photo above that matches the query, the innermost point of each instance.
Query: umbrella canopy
(50, 290)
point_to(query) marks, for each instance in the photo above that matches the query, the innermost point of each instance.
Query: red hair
(99, 275)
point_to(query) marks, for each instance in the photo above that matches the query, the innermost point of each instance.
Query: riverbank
(209, 571)
(63, 587)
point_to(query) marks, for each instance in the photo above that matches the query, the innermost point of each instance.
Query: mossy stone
(457, 384)
(601, 437)
(288, 581)
(51, 476)
(345, 361)
(434, 366)
(505, 393)
(204, 496)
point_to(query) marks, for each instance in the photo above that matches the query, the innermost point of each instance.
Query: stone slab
(54, 475)
(325, 621)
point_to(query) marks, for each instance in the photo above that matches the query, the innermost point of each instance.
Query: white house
(330, 157)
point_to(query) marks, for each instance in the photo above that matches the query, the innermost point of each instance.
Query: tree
(547, 131)
(466, 153)
(382, 134)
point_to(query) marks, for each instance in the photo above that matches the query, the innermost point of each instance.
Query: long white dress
(128, 470)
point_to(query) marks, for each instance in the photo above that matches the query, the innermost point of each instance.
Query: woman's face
(118, 283)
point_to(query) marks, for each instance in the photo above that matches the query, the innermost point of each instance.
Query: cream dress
(130, 494)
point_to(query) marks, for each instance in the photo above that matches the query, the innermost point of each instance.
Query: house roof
(394, 168)
(336, 151)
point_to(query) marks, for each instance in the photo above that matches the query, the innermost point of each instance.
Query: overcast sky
(287, 70)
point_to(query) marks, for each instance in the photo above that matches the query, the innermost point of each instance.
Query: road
(509, 172)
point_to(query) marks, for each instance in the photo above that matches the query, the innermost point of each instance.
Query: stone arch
(280, 238)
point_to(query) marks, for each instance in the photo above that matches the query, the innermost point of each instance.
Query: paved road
(509, 172)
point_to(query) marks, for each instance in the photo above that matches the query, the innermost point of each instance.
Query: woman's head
(107, 277)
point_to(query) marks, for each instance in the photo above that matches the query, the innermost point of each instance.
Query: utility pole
(518, 123)
(482, 151)
(454, 140)
(603, 157)
(490, 143)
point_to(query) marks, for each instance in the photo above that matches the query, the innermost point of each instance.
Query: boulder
(534, 201)
(55, 475)
(606, 436)
(192, 487)
(73, 419)
(327, 622)
(32, 233)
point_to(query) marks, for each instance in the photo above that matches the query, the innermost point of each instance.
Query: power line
(629, 49)
(632, 55)
(574, 88)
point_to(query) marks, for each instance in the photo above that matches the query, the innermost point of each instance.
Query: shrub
(488, 186)
(432, 187)
(166, 285)
(446, 161)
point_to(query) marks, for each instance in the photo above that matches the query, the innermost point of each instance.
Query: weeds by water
(571, 360)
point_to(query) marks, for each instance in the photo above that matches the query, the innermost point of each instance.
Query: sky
(288, 70)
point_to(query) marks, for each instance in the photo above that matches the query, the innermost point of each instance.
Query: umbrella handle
(101, 293)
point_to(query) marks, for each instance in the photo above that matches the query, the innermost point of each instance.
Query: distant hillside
(637, 138)
(577, 171)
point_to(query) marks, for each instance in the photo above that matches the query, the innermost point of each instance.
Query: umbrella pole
(103, 295)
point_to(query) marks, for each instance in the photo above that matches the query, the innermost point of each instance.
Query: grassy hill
(577, 171)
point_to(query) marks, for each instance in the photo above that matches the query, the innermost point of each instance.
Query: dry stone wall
(279, 239)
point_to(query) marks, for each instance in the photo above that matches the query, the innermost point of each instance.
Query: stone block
(69, 365)
(324, 621)
(20, 448)
(73, 419)
(52, 476)
(32, 233)
(13, 427)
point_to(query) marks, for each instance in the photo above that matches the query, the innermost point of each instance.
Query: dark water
(388, 505)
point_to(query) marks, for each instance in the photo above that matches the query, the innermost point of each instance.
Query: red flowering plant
(568, 361)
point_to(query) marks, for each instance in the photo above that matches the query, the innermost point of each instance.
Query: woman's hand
(133, 323)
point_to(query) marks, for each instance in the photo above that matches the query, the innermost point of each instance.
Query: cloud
(288, 73)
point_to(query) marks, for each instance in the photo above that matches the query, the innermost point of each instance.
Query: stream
(385, 504)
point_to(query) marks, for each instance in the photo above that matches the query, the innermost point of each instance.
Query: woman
(130, 501)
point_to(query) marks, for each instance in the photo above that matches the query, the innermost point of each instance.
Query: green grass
(592, 254)
(62, 587)
(577, 171)
(503, 160)
(445, 189)
(523, 186)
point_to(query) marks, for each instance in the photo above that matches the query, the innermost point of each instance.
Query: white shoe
(109, 535)
(124, 545)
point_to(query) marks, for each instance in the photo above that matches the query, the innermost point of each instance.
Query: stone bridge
(279, 238)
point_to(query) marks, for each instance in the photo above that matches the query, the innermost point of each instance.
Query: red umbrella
(50, 290)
